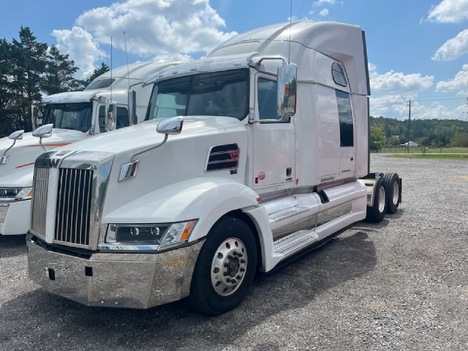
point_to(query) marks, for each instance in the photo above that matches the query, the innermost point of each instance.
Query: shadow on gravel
(39, 318)
(12, 245)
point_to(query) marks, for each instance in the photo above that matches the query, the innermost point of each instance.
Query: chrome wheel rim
(381, 199)
(396, 193)
(229, 266)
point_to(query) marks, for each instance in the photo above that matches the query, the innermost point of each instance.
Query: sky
(417, 49)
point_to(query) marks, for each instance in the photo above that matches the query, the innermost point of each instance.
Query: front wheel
(225, 268)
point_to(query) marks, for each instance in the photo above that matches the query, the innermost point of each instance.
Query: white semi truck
(247, 158)
(67, 117)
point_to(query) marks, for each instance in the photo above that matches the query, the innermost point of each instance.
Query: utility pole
(409, 126)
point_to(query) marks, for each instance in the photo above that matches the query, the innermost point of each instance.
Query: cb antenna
(126, 55)
(111, 70)
(290, 26)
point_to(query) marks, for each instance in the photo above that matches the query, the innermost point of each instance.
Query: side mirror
(111, 118)
(171, 125)
(167, 126)
(287, 90)
(17, 135)
(44, 131)
(36, 116)
(132, 115)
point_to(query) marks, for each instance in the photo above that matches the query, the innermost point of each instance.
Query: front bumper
(140, 280)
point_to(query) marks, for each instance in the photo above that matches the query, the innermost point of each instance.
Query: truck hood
(144, 135)
(18, 171)
(58, 138)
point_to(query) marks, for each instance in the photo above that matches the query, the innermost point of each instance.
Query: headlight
(147, 236)
(24, 194)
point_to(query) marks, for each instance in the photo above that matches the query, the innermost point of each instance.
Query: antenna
(290, 26)
(111, 71)
(126, 55)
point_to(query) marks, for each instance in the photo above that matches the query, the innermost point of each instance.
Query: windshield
(76, 116)
(100, 83)
(206, 94)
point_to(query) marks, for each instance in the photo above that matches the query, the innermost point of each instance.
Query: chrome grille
(73, 211)
(39, 201)
(68, 197)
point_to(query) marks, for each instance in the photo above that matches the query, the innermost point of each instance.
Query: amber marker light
(187, 230)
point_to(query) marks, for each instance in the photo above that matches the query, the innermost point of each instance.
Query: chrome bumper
(140, 280)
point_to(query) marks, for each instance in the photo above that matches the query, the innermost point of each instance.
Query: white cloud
(157, 27)
(399, 82)
(392, 91)
(319, 5)
(321, 2)
(397, 106)
(453, 48)
(324, 13)
(458, 84)
(449, 11)
(176, 29)
(81, 47)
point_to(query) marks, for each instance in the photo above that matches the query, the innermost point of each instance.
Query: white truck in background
(247, 158)
(66, 118)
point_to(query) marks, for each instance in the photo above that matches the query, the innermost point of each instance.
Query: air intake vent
(223, 157)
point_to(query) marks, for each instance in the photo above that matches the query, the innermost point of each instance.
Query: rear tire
(392, 183)
(376, 213)
(225, 268)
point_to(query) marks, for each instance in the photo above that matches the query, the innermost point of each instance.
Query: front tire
(225, 268)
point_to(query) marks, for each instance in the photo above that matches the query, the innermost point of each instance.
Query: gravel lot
(398, 285)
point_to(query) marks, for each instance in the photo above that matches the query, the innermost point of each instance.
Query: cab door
(273, 161)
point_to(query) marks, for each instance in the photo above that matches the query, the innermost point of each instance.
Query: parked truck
(248, 157)
(66, 118)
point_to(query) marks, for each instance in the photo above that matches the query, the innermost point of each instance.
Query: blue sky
(417, 49)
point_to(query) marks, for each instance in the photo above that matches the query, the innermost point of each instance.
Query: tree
(377, 139)
(6, 96)
(29, 69)
(461, 138)
(59, 73)
(28, 58)
(97, 72)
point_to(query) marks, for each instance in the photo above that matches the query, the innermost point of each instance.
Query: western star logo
(234, 154)
(53, 162)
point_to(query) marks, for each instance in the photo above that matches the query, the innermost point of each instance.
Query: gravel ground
(398, 285)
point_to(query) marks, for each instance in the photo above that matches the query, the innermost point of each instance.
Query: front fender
(206, 199)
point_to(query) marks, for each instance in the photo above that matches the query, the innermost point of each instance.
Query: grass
(444, 156)
(452, 153)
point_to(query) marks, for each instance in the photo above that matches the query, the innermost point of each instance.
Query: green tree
(59, 73)
(377, 139)
(28, 58)
(29, 69)
(461, 138)
(6, 96)
(97, 72)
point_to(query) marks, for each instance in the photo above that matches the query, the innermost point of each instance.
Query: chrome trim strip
(333, 213)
